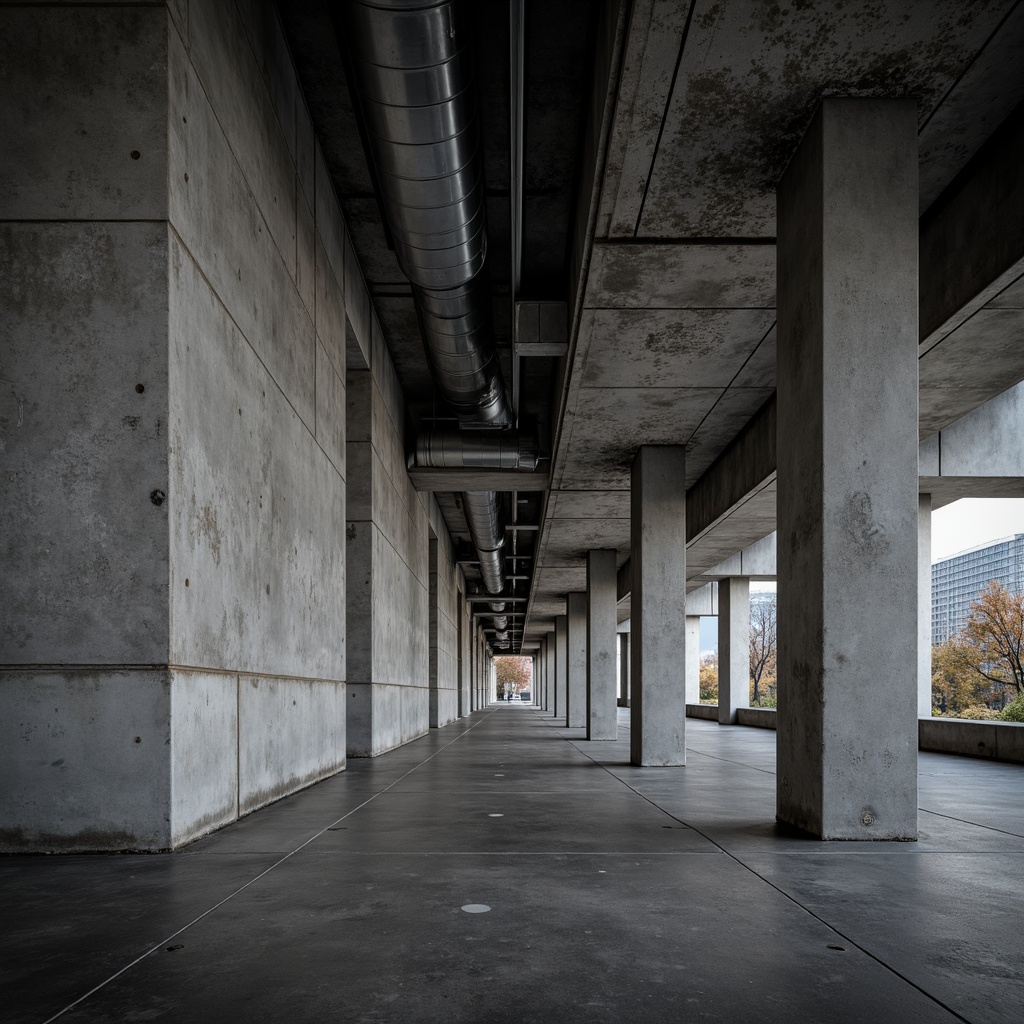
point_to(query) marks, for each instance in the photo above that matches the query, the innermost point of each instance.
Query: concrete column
(624, 670)
(733, 647)
(692, 659)
(924, 606)
(601, 662)
(658, 606)
(549, 674)
(847, 473)
(561, 650)
(576, 677)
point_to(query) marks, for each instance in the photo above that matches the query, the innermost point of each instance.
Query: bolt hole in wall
(977, 581)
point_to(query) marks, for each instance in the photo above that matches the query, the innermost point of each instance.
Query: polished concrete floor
(616, 894)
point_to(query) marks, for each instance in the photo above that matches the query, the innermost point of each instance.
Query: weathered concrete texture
(178, 384)
(924, 606)
(602, 716)
(624, 660)
(70, 788)
(576, 676)
(388, 531)
(444, 630)
(847, 476)
(733, 648)
(291, 732)
(382, 716)
(1000, 741)
(658, 607)
(561, 666)
(692, 663)
(82, 333)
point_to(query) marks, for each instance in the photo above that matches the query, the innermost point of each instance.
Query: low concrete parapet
(1000, 741)
(708, 711)
(759, 718)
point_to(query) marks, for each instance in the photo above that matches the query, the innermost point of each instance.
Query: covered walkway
(614, 893)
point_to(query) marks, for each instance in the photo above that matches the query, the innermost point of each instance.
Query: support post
(576, 688)
(658, 605)
(847, 473)
(733, 647)
(924, 606)
(601, 600)
(624, 670)
(692, 659)
(560, 666)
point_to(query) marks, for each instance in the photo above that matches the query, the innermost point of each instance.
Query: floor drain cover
(476, 908)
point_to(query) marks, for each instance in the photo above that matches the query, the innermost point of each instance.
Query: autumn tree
(992, 641)
(709, 678)
(763, 651)
(955, 685)
(513, 675)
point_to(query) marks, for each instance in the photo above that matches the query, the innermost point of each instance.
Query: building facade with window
(958, 581)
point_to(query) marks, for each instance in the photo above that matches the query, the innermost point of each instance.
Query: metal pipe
(480, 449)
(412, 64)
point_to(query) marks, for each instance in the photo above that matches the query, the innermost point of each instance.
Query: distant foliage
(709, 678)
(979, 713)
(513, 674)
(764, 654)
(979, 669)
(993, 638)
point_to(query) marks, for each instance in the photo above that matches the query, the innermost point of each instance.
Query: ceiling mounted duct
(413, 73)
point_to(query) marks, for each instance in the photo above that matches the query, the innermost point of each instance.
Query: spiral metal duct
(412, 64)
(483, 449)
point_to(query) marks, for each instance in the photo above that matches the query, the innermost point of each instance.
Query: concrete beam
(972, 238)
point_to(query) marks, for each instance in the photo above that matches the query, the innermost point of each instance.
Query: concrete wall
(388, 549)
(173, 429)
(1000, 741)
(444, 630)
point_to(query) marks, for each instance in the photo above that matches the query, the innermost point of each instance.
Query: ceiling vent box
(541, 329)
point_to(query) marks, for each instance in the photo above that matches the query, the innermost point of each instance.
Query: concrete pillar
(692, 659)
(576, 676)
(924, 606)
(847, 473)
(733, 647)
(602, 595)
(624, 670)
(549, 674)
(658, 605)
(561, 651)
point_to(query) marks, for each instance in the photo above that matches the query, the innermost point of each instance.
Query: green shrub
(1014, 711)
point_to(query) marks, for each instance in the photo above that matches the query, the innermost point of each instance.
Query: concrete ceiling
(655, 134)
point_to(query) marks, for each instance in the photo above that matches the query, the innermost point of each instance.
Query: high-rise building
(957, 581)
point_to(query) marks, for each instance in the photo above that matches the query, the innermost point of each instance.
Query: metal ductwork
(412, 65)
(477, 449)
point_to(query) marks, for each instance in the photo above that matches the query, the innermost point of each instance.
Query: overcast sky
(971, 522)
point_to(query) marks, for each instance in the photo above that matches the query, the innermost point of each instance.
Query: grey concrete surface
(733, 647)
(658, 606)
(924, 606)
(601, 718)
(614, 893)
(691, 666)
(576, 655)
(847, 476)
(561, 664)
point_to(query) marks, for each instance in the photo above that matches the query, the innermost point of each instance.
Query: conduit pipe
(412, 64)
